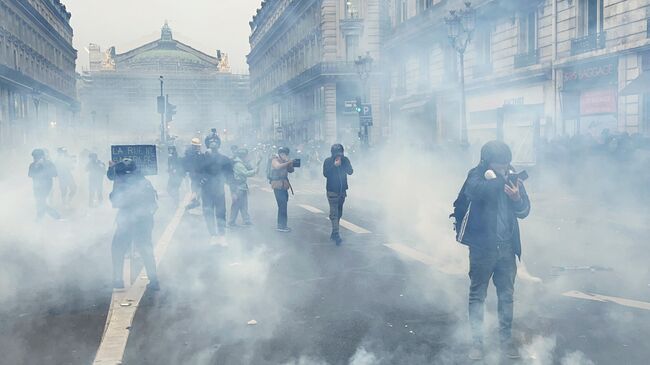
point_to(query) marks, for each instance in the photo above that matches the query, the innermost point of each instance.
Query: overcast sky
(207, 25)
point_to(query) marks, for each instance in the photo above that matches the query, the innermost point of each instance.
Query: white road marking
(311, 209)
(353, 227)
(606, 298)
(267, 189)
(345, 224)
(417, 255)
(125, 303)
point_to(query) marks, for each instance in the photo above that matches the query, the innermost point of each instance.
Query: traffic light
(358, 105)
(170, 111)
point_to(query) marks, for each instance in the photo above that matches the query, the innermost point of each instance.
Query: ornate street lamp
(460, 27)
(363, 66)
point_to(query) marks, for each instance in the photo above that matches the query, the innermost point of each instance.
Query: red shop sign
(601, 101)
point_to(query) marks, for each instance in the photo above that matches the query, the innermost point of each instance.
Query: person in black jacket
(216, 170)
(336, 169)
(136, 201)
(491, 230)
(42, 171)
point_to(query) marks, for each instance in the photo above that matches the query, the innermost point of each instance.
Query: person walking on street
(96, 170)
(279, 172)
(176, 173)
(191, 164)
(136, 202)
(496, 200)
(42, 172)
(239, 188)
(215, 172)
(64, 166)
(336, 170)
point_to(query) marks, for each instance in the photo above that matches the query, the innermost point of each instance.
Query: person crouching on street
(281, 167)
(491, 230)
(239, 188)
(336, 170)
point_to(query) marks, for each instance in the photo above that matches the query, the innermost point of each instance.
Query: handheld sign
(144, 156)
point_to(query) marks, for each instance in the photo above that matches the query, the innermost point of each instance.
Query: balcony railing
(588, 43)
(527, 59)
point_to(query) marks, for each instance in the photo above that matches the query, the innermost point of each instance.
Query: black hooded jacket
(479, 226)
(337, 176)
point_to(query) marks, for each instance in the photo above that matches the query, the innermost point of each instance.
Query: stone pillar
(329, 30)
(329, 115)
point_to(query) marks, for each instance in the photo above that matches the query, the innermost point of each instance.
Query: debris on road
(252, 322)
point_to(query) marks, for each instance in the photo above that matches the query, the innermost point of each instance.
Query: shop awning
(640, 85)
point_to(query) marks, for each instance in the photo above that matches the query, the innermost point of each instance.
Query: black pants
(282, 198)
(41, 205)
(336, 201)
(95, 191)
(134, 230)
(500, 265)
(214, 212)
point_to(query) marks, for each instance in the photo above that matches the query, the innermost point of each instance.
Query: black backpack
(461, 205)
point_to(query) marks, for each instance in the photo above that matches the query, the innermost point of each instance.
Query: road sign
(366, 111)
(143, 155)
(350, 106)
(365, 115)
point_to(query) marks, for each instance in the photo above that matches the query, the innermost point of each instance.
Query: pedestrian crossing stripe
(311, 209)
(345, 224)
(606, 298)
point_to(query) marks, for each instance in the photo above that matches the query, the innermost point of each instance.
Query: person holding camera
(281, 167)
(496, 199)
(42, 172)
(136, 202)
(336, 170)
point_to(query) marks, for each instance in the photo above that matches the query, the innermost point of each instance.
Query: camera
(514, 177)
(296, 162)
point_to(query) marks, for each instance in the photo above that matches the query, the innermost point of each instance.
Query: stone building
(534, 69)
(118, 91)
(302, 69)
(37, 72)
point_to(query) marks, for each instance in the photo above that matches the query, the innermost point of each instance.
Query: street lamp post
(460, 27)
(161, 101)
(363, 66)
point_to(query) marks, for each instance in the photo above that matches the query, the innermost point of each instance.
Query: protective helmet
(284, 150)
(496, 152)
(38, 153)
(196, 142)
(337, 149)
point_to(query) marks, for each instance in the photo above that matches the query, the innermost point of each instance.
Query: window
(590, 17)
(424, 5)
(351, 47)
(484, 45)
(528, 32)
(401, 11)
(352, 9)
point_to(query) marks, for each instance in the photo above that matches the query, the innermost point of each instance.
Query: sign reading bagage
(143, 155)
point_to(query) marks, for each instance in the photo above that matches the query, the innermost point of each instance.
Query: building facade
(119, 91)
(303, 71)
(534, 69)
(37, 72)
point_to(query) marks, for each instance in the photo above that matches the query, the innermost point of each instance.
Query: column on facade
(329, 114)
(329, 30)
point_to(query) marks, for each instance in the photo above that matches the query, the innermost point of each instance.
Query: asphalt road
(393, 295)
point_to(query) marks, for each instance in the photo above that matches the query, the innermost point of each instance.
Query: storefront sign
(601, 101)
(593, 73)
